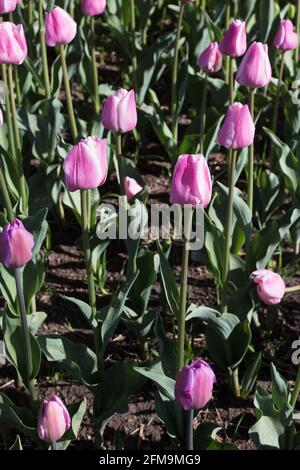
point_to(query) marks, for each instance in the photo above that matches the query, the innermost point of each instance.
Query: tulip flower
(255, 69)
(54, 420)
(16, 245)
(238, 129)
(93, 7)
(210, 60)
(7, 6)
(60, 28)
(270, 286)
(132, 187)
(119, 111)
(234, 43)
(13, 47)
(194, 385)
(191, 182)
(286, 38)
(85, 166)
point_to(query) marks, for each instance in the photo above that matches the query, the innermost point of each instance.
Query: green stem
(189, 430)
(183, 291)
(228, 229)
(231, 84)
(11, 143)
(296, 390)
(203, 113)
(289, 290)
(16, 73)
(73, 126)
(174, 104)
(251, 159)
(53, 445)
(133, 48)
(227, 22)
(30, 12)
(95, 69)
(276, 108)
(44, 50)
(26, 336)
(120, 164)
(298, 32)
(236, 383)
(7, 201)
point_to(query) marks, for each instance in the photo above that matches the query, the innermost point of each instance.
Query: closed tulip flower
(16, 245)
(194, 385)
(286, 38)
(1, 117)
(234, 43)
(119, 111)
(132, 187)
(270, 286)
(13, 47)
(191, 182)
(54, 419)
(7, 6)
(85, 166)
(238, 129)
(93, 7)
(60, 28)
(211, 58)
(255, 69)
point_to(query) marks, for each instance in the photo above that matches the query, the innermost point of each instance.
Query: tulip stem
(87, 250)
(231, 84)
(10, 132)
(289, 290)
(95, 69)
(133, 47)
(203, 113)
(296, 390)
(236, 383)
(53, 445)
(16, 73)
(251, 158)
(44, 51)
(279, 83)
(26, 336)
(8, 205)
(228, 227)
(120, 164)
(73, 125)
(298, 32)
(174, 104)
(227, 60)
(189, 429)
(30, 12)
(183, 289)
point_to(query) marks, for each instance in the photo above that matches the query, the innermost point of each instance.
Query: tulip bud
(255, 69)
(93, 7)
(191, 182)
(194, 385)
(119, 111)
(16, 245)
(60, 28)
(1, 118)
(13, 47)
(85, 166)
(54, 419)
(132, 187)
(7, 6)
(211, 58)
(286, 38)
(270, 286)
(234, 42)
(238, 129)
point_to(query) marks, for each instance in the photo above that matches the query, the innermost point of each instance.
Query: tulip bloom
(93, 7)
(234, 43)
(119, 111)
(54, 419)
(238, 129)
(60, 28)
(270, 286)
(85, 166)
(13, 47)
(255, 69)
(1, 118)
(194, 385)
(191, 182)
(16, 245)
(286, 38)
(7, 6)
(132, 187)
(211, 58)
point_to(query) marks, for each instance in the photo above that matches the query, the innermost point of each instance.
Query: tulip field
(150, 227)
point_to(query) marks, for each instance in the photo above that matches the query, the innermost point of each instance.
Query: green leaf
(250, 375)
(17, 445)
(170, 286)
(279, 388)
(155, 373)
(18, 418)
(77, 412)
(84, 308)
(265, 19)
(203, 313)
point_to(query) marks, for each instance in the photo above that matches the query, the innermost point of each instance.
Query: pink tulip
(270, 286)
(211, 58)
(255, 69)
(54, 419)
(85, 166)
(93, 7)
(194, 385)
(119, 111)
(238, 129)
(286, 38)
(7, 6)
(13, 47)
(132, 187)
(234, 42)
(1, 117)
(191, 182)
(16, 245)
(60, 28)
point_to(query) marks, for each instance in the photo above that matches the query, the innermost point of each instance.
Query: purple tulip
(211, 58)
(191, 182)
(234, 42)
(13, 47)
(238, 129)
(255, 69)
(194, 385)
(270, 286)
(16, 245)
(132, 187)
(60, 28)
(7, 6)
(85, 166)
(54, 419)
(93, 7)
(119, 111)
(286, 38)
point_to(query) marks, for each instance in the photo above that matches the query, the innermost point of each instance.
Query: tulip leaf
(18, 418)
(170, 286)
